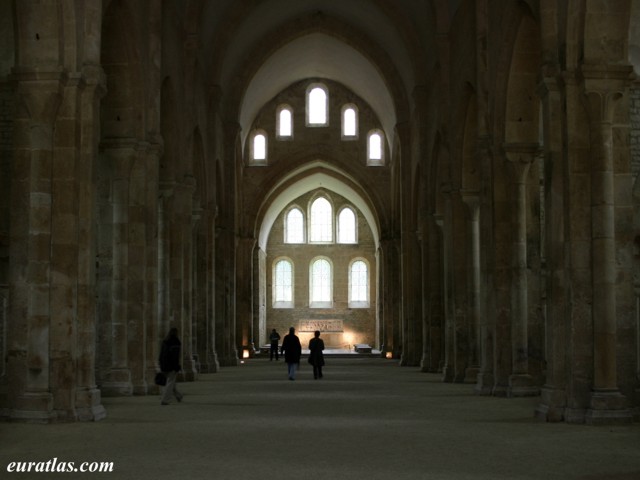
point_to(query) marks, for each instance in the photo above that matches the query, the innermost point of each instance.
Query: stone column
(181, 271)
(472, 201)
(30, 397)
(448, 369)
(153, 237)
(390, 278)
(87, 396)
(553, 393)
(244, 292)
(435, 297)
(521, 384)
(487, 320)
(604, 87)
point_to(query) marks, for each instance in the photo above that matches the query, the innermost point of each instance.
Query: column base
(448, 374)
(34, 408)
(484, 384)
(471, 374)
(213, 366)
(552, 405)
(231, 361)
(88, 406)
(608, 407)
(522, 385)
(117, 383)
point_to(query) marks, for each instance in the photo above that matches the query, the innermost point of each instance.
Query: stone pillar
(87, 395)
(604, 86)
(244, 293)
(448, 369)
(521, 384)
(181, 271)
(553, 400)
(487, 318)
(389, 280)
(151, 311)
(435, 298)
(472, 201)
(30, 397)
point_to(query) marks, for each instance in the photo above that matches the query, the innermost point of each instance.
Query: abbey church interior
(452, 184)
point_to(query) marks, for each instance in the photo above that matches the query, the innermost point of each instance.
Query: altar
(331, 332)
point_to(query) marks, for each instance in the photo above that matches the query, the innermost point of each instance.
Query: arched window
(284, 122)
(358, 284)
(349, 122)
(321, 221)
(347, 226)
(259, 147)
(317, 106)
(375, 148)
(294, 226)
(283, 284)
(320, 283)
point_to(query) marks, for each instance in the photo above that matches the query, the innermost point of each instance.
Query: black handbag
(161, 379)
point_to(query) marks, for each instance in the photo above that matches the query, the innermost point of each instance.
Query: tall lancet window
(358, 284)
(347, 226)
(283, 284)
(294, 226)
(321, 221)
(320, 283)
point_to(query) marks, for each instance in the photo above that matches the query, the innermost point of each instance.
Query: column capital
(604, 86)
(521, 156)
(471, 198)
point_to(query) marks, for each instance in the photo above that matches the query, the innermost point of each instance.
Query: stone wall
(634, 140)
(359, 324)
(6, 144)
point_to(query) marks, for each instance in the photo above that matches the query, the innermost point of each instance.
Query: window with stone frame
(284, 122)
(317, 106)
(320, 283)
(347, 226)
(321, 221)
(283, 284)
(358, 284)
(294, 226)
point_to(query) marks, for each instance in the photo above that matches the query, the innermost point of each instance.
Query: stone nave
(453, 183)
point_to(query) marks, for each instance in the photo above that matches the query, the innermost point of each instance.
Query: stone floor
(367, 419)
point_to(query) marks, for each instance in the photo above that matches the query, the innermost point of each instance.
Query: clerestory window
(284, 122)
(317, 106)
(349, 122)
(259, 148)
(375, 148)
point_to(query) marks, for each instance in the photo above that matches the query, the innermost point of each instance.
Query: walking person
(292, 350)
(316, 357)
(274, 338)
(170, 365)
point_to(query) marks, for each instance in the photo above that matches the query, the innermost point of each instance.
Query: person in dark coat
(274, 338)
(170, 365)
(316, 357)
(292, 350)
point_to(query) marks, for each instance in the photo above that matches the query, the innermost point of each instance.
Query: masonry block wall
(359, 324)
